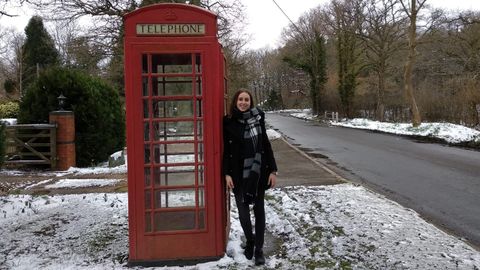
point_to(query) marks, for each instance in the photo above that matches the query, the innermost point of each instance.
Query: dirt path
(35, 182)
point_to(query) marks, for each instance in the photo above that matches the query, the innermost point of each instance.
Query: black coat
(232, 152)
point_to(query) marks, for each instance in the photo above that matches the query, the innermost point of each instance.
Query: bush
(3, 140)
(99, 117)
(9, 85)
(9, 110)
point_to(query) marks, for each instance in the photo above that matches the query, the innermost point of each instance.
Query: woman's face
(243, 102)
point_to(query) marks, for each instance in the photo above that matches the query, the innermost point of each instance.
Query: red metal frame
(199, 242)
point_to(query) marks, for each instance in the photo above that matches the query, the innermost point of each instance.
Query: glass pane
(148, 199)
(145, 108)
(175, 198)
(174, 153)
(201, 197)
(145, 86)
(172, 109)
(173, 131)
(199, 108)
(172, 63)
(172, 86)
(174, 176)
(201, 176)
(147, 153)
(173, 221)
(200, 152)
(199, 86)
(146, 131)
(158, 199)
(147, 177)
(148, 222)
(144, 63)
(198, 63)
(200, 130)
(201, 219)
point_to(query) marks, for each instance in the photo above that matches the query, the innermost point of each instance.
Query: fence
(31, 144)
(331, 115)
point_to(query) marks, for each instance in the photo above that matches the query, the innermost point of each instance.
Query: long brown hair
(233, 103)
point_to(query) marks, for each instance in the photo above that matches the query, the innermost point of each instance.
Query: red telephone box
(175, 94)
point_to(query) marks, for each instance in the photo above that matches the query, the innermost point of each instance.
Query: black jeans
(246, 222)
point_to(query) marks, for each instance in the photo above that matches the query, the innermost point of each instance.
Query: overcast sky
(267, 31)
(266, 21)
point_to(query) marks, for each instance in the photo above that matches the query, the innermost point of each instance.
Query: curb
(318, 163)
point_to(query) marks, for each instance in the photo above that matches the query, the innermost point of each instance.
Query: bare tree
(12, 55)
(412, 9)
(383, 34)
(305, 50)
(346, 18)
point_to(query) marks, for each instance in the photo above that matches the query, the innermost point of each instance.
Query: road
(441, 183)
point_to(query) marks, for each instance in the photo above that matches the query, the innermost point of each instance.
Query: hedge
(99, 115)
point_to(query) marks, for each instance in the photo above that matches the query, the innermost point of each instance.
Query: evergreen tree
(99, 116)
(274, 101)
(312, 60)
(39, 50)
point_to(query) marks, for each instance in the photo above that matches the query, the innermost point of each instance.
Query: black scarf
(252, 149)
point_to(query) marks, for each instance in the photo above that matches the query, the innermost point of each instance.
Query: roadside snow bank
(451, 133)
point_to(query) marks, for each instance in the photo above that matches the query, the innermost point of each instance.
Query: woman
(249, 167)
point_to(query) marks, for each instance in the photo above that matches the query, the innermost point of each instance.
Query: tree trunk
(380, 95)
(412, 39)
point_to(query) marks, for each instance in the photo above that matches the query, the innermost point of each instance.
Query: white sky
(266, 21)
(264, 18)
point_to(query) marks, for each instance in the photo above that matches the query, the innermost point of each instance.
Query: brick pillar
(65, 121)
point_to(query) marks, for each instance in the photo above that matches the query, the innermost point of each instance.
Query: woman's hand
(272, 179)
(229, 181)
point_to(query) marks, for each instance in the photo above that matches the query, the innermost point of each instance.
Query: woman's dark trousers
(245, 220)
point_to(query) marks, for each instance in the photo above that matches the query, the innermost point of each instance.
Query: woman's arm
(227, 166)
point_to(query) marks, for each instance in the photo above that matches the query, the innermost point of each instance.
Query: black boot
(259, 258)
(249, 249)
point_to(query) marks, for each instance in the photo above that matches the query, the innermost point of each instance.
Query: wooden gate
(31, 144)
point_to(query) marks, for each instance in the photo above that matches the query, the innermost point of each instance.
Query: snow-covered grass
(448, 132)
(324, 227)
(328, 227)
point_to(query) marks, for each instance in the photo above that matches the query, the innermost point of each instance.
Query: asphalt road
(439, 182)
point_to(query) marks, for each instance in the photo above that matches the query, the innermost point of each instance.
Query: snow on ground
(76, 183)
(8, 121)
(326, 227)
(451, 133)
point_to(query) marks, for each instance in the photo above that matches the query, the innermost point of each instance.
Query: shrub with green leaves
(99, 116)
(2, 143)
(9, 109)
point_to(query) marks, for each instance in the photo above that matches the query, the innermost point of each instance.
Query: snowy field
(326, 227)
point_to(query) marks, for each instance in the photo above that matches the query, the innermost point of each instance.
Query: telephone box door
(174, 210)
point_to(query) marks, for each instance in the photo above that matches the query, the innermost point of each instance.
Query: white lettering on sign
(187, 29)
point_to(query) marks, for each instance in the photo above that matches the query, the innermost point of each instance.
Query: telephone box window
(145, 86)
(173, 142)
(172, 109)
(147, 177)
(173, 131)
(172, 63)
(172, 86)
(174, 176)
(198, 86)
(173, 221)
